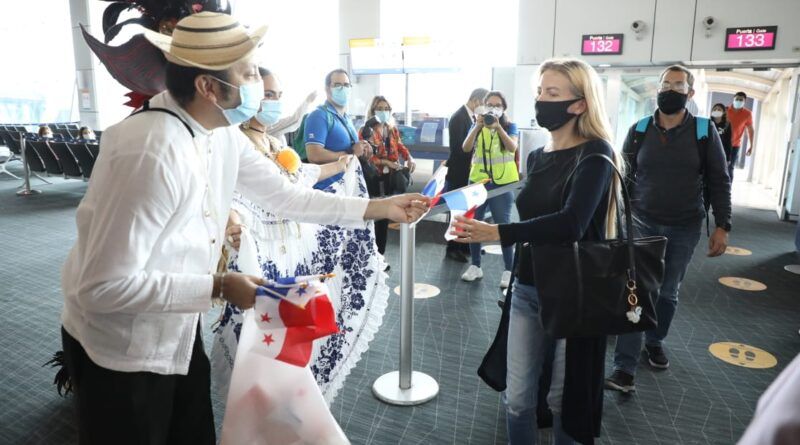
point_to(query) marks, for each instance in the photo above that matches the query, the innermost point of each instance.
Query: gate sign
(751, 38)
(601, 44)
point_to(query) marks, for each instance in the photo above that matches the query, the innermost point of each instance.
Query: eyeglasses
(680, 87)
(383, 109)
(339, 84)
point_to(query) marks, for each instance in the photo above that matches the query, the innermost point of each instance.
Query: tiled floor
(698, 400)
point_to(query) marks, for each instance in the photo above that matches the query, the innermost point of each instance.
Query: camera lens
(489, 119)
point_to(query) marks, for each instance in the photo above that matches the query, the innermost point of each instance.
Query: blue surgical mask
(340, 95)
(250, 95)
(271, 112)
(383, 116)
(738, 104)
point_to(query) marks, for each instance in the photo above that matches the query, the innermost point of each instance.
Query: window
(38, 76)
(483, 33)
(301, 45)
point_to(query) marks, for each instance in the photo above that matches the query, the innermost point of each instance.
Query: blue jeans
(500, 206)
(681, 241)
(527, 348)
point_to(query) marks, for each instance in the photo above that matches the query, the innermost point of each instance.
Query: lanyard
(490, 167)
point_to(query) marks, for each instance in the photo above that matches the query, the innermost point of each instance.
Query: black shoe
(620, 381)
(656, 357)
(457, 256)
(501, 302)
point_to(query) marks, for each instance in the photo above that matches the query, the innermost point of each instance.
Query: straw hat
(208, 40)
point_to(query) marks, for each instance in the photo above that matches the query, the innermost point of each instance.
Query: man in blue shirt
(329, 133)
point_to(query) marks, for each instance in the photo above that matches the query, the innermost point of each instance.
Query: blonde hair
(593, 123)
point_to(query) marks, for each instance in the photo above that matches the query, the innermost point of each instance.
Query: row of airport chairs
(73, 160)
(54, 126)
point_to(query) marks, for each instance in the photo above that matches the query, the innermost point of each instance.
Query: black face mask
(671, 102)
(553, 115)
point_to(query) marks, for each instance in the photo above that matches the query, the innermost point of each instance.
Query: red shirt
(393, 152)
(739, 120)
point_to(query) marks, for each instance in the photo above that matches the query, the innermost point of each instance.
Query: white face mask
(738, 104)
(479, 110)
(716, 113)
(497, 111)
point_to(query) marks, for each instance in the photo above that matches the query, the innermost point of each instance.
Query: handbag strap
(627, 203)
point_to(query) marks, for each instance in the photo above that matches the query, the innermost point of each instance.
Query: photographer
(389, 176)
(493, 142)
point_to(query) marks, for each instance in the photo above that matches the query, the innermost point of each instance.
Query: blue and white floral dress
(286, 248)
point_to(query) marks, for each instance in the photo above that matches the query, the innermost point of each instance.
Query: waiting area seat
(64, 155)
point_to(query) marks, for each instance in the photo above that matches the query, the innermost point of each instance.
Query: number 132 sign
(601, 44)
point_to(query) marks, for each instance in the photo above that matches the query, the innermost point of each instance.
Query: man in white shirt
(150, 229)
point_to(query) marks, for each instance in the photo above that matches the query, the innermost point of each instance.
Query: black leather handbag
(595, 288)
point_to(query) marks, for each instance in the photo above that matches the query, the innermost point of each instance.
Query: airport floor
(699, 400)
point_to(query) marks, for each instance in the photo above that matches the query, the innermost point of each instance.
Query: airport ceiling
(759, 84)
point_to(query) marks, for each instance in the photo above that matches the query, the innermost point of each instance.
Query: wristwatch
(726, 227)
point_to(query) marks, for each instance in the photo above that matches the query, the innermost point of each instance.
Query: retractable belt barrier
(406, 386)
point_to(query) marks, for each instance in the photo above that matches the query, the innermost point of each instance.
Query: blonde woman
(287, 248)
(569, 105)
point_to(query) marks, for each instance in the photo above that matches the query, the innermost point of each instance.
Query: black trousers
(732, 162)
(141, 408)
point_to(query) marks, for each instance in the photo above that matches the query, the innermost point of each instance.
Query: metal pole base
(28, 192)
(793, 268)
(387, 389)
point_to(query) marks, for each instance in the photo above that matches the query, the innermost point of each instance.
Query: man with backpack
(673, 159)
(327, 132)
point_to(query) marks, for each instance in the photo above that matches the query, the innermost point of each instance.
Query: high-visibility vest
(491, 161)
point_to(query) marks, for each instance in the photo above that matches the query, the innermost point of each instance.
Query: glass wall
(483, 35)
(301, 45)
(38, 76)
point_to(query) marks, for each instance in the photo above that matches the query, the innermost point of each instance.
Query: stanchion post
(406, 387)
(26, 191)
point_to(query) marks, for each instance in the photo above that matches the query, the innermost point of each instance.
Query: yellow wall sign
(362, 43)
(743, 283)
(742, 355)
(737, 251)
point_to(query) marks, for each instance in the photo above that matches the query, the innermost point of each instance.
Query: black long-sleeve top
(544, 219)
(724, 130)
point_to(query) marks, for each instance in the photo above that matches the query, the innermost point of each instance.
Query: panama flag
(433, 189)
(297, 290)
(275, 402)
(464, 202)
(287, 330)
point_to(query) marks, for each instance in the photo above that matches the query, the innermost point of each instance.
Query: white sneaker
(473, 273)
(505, 279)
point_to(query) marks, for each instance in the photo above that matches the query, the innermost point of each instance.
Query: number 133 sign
(751, 38)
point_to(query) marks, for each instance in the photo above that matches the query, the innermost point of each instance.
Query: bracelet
(222, 285)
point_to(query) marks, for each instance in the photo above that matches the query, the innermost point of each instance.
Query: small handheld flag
(433, 189)
(464, 202)
(288, 329)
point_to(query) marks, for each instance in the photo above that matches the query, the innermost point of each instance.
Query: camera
(489, 119)
(638, 26)
(708, 22)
